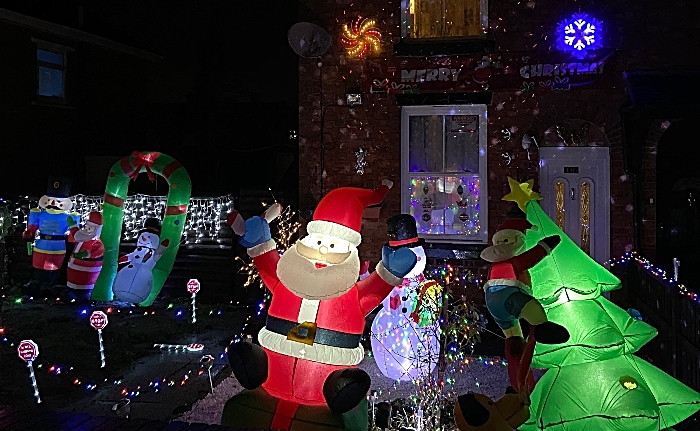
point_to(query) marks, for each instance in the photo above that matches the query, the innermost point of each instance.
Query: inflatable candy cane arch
(173, 225)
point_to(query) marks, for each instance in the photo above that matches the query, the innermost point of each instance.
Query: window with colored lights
(431, 19)
(443, 171)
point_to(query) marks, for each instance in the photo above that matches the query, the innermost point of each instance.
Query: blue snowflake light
(579, 34)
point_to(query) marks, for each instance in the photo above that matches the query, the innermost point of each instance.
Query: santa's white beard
(301, 276)
(81, 236)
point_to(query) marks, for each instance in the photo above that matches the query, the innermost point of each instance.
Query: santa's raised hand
(255, 230)
(398, 262)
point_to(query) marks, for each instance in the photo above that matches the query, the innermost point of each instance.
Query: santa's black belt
(91, 259)
(50, 237)
(309, 333)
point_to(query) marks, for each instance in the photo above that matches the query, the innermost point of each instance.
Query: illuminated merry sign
(580, 34)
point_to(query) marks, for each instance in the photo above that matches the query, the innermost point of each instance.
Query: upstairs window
(444, 171)
(440, 19)
(51, 62)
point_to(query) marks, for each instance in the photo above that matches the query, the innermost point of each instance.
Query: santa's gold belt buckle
(303, 333)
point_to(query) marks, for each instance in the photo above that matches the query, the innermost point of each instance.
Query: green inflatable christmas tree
(594, 382)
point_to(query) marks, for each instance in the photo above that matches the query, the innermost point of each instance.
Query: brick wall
(647, 34)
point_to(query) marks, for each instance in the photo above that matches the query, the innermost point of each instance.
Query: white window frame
(471, 109)
(406, 16)
(57, 49)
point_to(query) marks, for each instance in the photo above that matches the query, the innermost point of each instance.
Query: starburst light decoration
(361, 38)
(580, 34)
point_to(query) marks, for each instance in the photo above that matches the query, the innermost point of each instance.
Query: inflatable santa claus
(310, 346)
(85, 261)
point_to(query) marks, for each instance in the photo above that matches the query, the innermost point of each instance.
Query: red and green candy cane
(173, 224)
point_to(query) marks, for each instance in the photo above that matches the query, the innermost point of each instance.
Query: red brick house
(458, 95)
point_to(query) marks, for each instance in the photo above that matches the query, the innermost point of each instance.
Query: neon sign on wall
(580, 34)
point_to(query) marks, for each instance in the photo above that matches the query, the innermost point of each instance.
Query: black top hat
(402, 231)
(58, 187)
(151, 225)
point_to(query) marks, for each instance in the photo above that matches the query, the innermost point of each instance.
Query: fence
(673, 311)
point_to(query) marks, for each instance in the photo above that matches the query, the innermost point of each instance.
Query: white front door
(575, 183)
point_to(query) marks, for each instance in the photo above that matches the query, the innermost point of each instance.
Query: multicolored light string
(656, 272)
(154, 386)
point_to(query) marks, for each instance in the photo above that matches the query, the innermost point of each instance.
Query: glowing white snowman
(402, 349)
(134, 282)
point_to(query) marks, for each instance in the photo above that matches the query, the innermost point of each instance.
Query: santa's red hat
(339, 213)
(95, 219)
(511, 227)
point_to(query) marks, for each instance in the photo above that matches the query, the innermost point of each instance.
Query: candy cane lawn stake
(98, 320)
(193, 287)
(194, 347)
(28, 351)
(208, 361)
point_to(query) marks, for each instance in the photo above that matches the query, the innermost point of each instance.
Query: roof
(650, 87)
(73, 34)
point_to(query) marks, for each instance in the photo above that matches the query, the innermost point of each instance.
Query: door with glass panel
(575, 183)
(444, 171)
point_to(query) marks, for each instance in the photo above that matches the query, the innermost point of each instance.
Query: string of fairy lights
(285, 227)
(656, 272)
(284, 230)
(155, 385)
(205, 215)
(459, 326)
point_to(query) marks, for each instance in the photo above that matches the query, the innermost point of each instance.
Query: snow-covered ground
(488, 376)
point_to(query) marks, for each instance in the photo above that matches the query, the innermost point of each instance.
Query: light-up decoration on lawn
(405, 334)
(580, 34)
(446, 205)
(361, 38)
(598, 361)
(204, 216)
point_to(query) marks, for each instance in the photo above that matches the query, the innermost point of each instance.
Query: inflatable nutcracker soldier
(47, 226)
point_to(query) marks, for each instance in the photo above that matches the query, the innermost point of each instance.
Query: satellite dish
(308, 39)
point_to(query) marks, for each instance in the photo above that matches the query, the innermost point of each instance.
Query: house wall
(109, 94)
(647, 35)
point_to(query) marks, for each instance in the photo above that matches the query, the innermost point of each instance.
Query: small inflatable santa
(310, 347)
(85, 262)
(508, 290)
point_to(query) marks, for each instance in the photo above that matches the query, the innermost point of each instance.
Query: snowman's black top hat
(402, 231)
(151, 225)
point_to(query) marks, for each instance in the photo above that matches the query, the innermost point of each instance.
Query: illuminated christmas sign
(361, 38)
(580, 34)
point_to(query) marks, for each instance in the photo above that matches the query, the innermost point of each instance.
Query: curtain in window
(445, 18)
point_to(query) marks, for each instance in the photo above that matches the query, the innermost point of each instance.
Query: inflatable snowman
(134, 282)
(405, 334)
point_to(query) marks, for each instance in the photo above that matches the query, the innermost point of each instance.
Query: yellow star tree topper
(521, 193)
